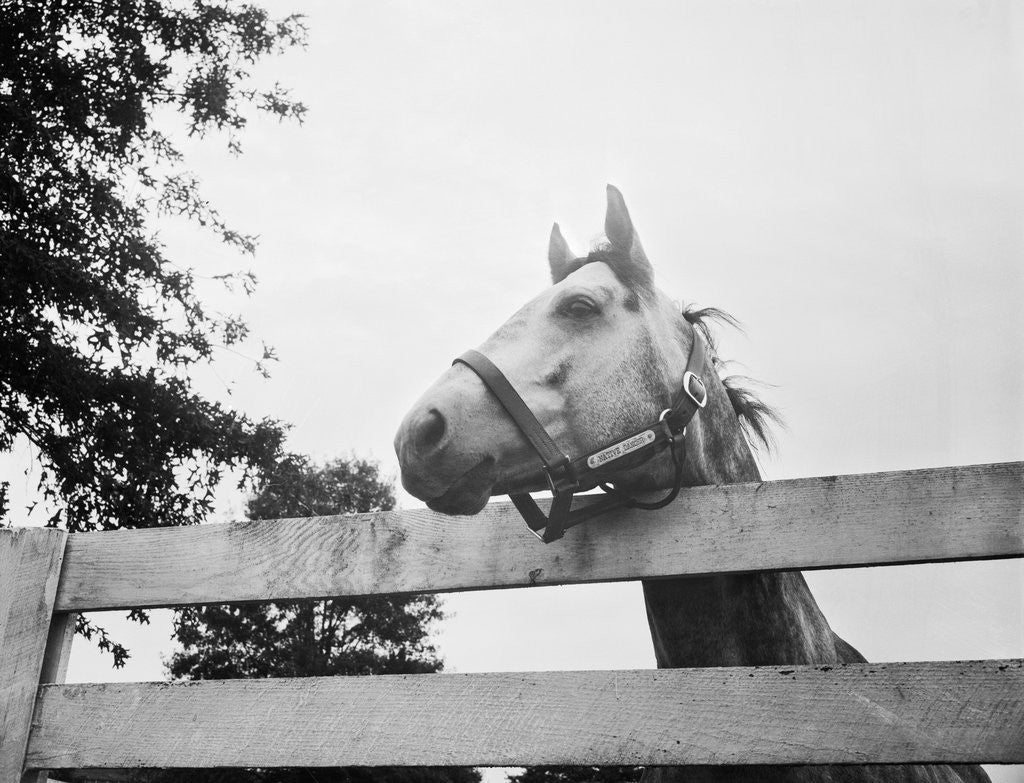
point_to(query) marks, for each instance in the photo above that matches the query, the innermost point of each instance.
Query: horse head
(596, 356)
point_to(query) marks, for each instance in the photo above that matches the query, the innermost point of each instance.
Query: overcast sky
(847, 179)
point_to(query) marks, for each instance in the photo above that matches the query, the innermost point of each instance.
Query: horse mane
(755, 415)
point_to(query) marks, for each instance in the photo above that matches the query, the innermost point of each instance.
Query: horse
(596, 356)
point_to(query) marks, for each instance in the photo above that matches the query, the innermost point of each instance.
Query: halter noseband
(567, 476)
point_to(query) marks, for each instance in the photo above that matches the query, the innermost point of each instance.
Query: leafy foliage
(98, 329)
(578, 775)
(374, 635)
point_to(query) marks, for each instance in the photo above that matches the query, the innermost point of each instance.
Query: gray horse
(596, 356)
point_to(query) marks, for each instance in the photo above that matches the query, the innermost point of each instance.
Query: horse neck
(732, 620)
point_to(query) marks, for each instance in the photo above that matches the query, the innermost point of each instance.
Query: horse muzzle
(451, 444)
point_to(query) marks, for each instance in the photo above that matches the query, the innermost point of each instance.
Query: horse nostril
(429, 430)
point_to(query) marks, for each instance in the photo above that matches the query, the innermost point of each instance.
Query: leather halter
(567, 476)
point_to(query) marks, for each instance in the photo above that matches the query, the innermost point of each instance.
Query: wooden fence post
(55, 666)
(30, 560)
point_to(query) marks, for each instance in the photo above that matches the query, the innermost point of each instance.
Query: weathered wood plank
(857, 713)
(30, 560)
(960, 513)
(55, 667)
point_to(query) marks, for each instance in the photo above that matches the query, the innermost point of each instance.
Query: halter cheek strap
(566, 476)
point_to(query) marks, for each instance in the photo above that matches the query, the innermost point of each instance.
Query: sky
(846, 178)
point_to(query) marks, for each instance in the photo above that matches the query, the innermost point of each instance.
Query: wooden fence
(964, 711)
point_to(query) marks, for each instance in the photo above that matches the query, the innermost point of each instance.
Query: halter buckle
(692, 376)
(566, 481)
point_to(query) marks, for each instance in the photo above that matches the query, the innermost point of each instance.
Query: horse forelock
(635, 277)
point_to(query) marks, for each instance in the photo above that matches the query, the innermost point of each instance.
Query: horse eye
(580, 308)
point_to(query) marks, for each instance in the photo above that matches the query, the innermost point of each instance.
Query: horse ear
(623, 237)
(560, 257)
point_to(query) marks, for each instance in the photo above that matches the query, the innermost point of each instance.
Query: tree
(374, 635)
(578, 775)
(99, 330)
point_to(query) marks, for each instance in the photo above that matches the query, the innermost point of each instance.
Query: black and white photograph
(435, 391)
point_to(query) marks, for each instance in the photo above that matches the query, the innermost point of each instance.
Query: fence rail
(960, 513)
(856, 713)
(766, 715)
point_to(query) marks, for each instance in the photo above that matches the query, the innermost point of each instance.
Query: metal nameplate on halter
(621, 449)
